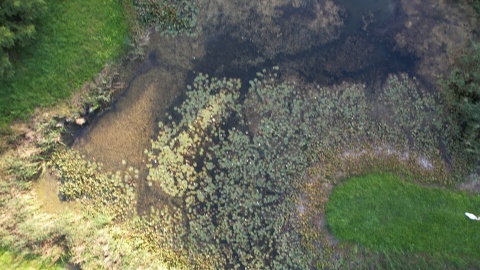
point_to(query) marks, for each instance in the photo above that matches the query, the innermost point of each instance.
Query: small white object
(80, 121)
(471, 216)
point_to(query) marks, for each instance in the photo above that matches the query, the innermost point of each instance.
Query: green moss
(74, 41)
(386, 214)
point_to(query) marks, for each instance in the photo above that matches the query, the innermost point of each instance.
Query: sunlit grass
(74, 41)
(9, 261)
(385, 214)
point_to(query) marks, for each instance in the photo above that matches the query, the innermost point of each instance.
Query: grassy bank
(388, 215)
(74, 41)
(10, 261)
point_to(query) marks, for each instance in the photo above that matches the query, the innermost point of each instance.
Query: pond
(361, 53)
(334, 45)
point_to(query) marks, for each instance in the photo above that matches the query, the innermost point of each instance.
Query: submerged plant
(168, 16)
(413, 113)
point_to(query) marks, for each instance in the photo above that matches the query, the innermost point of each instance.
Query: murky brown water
(46, 191)
(122, 133)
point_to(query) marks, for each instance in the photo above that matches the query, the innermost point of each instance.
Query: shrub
(462, 91)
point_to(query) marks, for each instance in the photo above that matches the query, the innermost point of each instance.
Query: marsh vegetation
(232, 135)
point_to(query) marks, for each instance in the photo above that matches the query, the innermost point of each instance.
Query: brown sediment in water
(121, 134)
(436, 31)
(46, 192)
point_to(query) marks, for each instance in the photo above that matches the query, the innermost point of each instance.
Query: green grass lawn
(74, 41)
(385, 214)
(9, 261)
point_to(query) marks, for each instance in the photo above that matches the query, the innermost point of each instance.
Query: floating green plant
(237, 185)
(235, 191)
(82, 179)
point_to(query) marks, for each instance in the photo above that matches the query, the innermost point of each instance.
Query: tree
(17, 27)
(462, 91)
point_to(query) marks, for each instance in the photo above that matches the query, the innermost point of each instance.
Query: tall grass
(74, 41)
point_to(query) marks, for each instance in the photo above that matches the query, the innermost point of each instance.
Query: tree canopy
(17, 27)
(462, 90)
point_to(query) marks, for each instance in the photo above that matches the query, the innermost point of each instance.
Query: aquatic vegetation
(413, 112)
(44, 138)
(24, 230)
(279, 27)
(475, 4)
(243, 179)
(24, 170)
(92, 240)
(98, 238)
(235, 192)
(47, 131)
(82, 179)
(168, 16)
(236, 171)
(181, 147)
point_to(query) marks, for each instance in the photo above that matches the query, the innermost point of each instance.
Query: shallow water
(120, 135)
(369, 13)
(361, 54)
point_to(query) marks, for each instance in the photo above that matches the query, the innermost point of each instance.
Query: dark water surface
(363, 53)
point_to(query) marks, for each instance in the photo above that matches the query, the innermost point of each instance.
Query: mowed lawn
(385, 214)
(75, 39)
